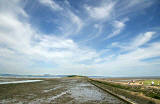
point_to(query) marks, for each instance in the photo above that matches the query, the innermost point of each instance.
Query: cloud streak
(51, 4)
(100, 12)
(137, 42)
(118, 26)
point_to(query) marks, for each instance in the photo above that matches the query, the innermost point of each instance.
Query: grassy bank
(137, 93)
(148, 82)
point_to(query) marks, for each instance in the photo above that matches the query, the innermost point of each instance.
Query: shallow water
(52, 89)
(22, 81)
(57, 96)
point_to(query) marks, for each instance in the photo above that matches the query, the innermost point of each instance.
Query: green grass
(148, 82)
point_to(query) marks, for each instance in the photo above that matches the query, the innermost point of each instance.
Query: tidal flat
(54, 91)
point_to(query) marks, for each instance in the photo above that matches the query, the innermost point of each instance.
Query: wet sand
(56, 91)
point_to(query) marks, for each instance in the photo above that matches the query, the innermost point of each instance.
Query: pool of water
(22, 81)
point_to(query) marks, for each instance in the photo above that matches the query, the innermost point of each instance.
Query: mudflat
(54, 91)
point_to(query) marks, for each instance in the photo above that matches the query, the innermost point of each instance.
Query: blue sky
(84, 37)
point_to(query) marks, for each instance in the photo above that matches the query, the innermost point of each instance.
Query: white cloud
(118, 26)
(102, 12)
(130, 6)
(20, 41)
(76, 20)
(52, 4)
(135, 60)
(69, 23)
(14, 5)
(142, 39)
(21, 46)
(99, 28)
(137, 42)
(142, 53)
(132, 56)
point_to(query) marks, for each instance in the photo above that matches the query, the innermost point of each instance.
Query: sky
(82, 37)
